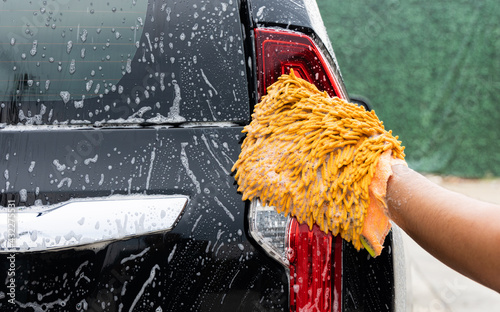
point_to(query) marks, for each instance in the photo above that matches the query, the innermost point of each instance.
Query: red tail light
(278, 51)
(310, 268)
(314, 258)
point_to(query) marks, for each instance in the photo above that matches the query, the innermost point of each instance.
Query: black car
(119, 124)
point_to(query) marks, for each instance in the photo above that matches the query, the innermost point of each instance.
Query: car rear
(120, 122)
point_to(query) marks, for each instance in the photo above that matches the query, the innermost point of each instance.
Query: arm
(462, 232)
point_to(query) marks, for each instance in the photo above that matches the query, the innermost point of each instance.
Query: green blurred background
(431, 70)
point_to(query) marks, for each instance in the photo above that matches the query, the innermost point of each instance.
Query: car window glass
(121, 62)
(66, 51)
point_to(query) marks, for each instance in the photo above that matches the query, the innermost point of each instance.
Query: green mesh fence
(431, 70)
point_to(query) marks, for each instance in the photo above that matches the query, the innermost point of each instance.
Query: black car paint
(208, 262)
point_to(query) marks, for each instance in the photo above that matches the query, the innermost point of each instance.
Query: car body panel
(208, 253)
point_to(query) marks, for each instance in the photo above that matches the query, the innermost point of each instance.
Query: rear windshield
(119, 62)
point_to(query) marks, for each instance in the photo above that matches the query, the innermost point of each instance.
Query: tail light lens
(310, 268)
(313, 258)
(269, 229)
(278, 51)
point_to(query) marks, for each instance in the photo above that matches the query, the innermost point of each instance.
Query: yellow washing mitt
(321, 160)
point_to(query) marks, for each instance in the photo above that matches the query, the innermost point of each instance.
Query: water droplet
(69, 46)
(72, 67)
(33, 48)
(88, 85)
(79, 104)
(84, 35)
(128, 67)
(65, 96)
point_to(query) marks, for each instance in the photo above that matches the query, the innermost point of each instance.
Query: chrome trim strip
(87, 221)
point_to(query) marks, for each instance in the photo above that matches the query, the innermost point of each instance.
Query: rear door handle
(81, 222)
